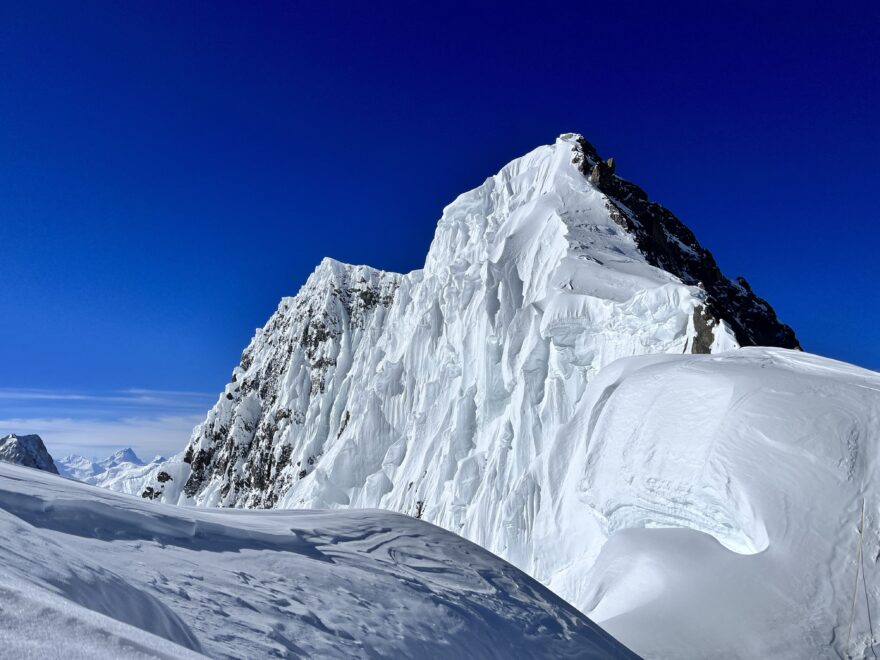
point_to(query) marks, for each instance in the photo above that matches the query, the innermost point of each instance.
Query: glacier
(86, 573)
(500, 392)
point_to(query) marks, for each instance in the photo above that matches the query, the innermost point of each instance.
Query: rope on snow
(860, 568)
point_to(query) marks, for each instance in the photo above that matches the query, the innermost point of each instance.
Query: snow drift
(123, 472)
(708, 506)
(89, 573)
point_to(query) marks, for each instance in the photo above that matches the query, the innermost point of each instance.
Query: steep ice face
(27, 450)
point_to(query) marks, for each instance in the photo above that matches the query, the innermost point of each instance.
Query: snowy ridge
(87, 573)
(669, 245)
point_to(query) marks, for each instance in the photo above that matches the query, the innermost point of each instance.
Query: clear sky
(169, 170)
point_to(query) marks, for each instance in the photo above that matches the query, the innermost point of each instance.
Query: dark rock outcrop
(668, 244)
(27, 450)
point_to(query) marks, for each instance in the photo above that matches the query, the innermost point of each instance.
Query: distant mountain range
(123, 471)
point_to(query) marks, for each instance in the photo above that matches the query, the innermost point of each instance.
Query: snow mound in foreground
(90, 573)
(711, 505)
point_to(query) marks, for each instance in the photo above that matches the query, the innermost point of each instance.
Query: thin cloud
(166, 393)
(148, 436)
(128, 398)
(98, 423)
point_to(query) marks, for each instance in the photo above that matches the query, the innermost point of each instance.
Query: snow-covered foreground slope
(89, 573)
(708, 506)
(123, 471)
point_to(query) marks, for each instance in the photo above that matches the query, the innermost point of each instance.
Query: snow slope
(27, 450)
(123, 472)
(89, 573)
(708, 506)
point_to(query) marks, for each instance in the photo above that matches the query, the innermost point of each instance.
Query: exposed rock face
(669, 245)
(27, 450)
(294, 365)
(439, 393)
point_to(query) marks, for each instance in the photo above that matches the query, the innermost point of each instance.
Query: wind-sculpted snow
(459, 393)
(88, 573)
(709, 506)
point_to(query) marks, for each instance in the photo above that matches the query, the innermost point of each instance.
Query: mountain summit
(465, 393)
(371, 388)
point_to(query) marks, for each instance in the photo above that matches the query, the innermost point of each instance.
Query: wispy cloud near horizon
(98, 423)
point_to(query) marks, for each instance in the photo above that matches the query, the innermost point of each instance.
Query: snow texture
(88, 573)
(27, 450)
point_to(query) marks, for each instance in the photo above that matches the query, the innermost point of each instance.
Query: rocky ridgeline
(27, 450)
(668, 244)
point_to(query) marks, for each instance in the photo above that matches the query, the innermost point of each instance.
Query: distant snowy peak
(27, 450)
(122, 471)
(126, 455)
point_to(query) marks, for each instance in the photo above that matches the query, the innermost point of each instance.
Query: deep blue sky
(169, 170)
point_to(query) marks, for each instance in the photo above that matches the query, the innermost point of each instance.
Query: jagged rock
(27, 450)
(669, 245)
(602, 173)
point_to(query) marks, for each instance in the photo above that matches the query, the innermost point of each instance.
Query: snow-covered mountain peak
(122, 471)
(453, 393)
(551, 269)
(126, 455)
(541, 216)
